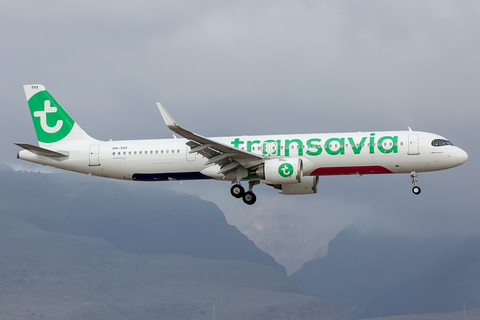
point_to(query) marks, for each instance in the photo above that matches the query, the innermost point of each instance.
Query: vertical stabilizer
(52, 123)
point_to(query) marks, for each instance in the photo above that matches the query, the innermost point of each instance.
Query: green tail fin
(52, 123)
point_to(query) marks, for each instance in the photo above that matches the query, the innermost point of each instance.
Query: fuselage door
(413, 144)
(94, 155)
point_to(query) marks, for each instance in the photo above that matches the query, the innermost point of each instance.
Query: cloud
(248, 67)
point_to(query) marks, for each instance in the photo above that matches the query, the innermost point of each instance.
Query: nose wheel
(416, 189)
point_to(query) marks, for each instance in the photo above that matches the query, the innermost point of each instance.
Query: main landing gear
(239, 192)
(416, 190)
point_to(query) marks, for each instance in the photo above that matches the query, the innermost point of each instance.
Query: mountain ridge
(95, 249)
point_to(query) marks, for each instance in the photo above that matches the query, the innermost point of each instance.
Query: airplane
(291, 163)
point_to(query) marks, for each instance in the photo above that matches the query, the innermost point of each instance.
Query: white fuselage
(322, 154)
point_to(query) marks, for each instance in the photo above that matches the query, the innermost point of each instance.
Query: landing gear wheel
(416, 190)
(249, 197)
(237, 191)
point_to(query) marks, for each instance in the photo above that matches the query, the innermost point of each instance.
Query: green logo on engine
(285, 170)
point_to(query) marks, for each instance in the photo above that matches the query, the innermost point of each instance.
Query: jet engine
(308, 185)
(281, 171)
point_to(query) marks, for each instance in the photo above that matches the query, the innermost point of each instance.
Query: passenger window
(140, 152)
(114, 153)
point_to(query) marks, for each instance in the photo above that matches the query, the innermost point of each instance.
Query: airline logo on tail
(51, 122)
(43, 118)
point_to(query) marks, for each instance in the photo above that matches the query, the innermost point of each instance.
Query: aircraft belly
(168, 169)
(171, 176)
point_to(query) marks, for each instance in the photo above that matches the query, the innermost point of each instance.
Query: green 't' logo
(51, 122)
(285, 170)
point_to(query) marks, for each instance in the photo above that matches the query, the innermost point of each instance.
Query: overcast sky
(260, 67)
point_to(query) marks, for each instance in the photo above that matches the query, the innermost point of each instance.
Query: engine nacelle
(308, 185)
(281, 171)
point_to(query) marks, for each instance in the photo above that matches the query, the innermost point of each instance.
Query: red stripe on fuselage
(333, 171)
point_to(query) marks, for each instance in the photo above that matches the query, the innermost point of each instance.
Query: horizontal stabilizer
(42, 151)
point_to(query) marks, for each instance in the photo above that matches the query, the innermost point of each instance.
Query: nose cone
(458, 157)
(464, 156)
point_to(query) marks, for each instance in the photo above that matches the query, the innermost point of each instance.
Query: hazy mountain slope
(469, 315)
(361, 267)
(452, 281)
(62, 276)
(137, 217)
(291, 237)
(77, 247)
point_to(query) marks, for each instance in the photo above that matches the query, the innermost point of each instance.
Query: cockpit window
(441, 142)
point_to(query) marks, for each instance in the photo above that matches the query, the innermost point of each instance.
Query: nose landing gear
(416, 190)
(239, 192)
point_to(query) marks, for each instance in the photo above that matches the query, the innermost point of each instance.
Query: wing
(227, 157)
